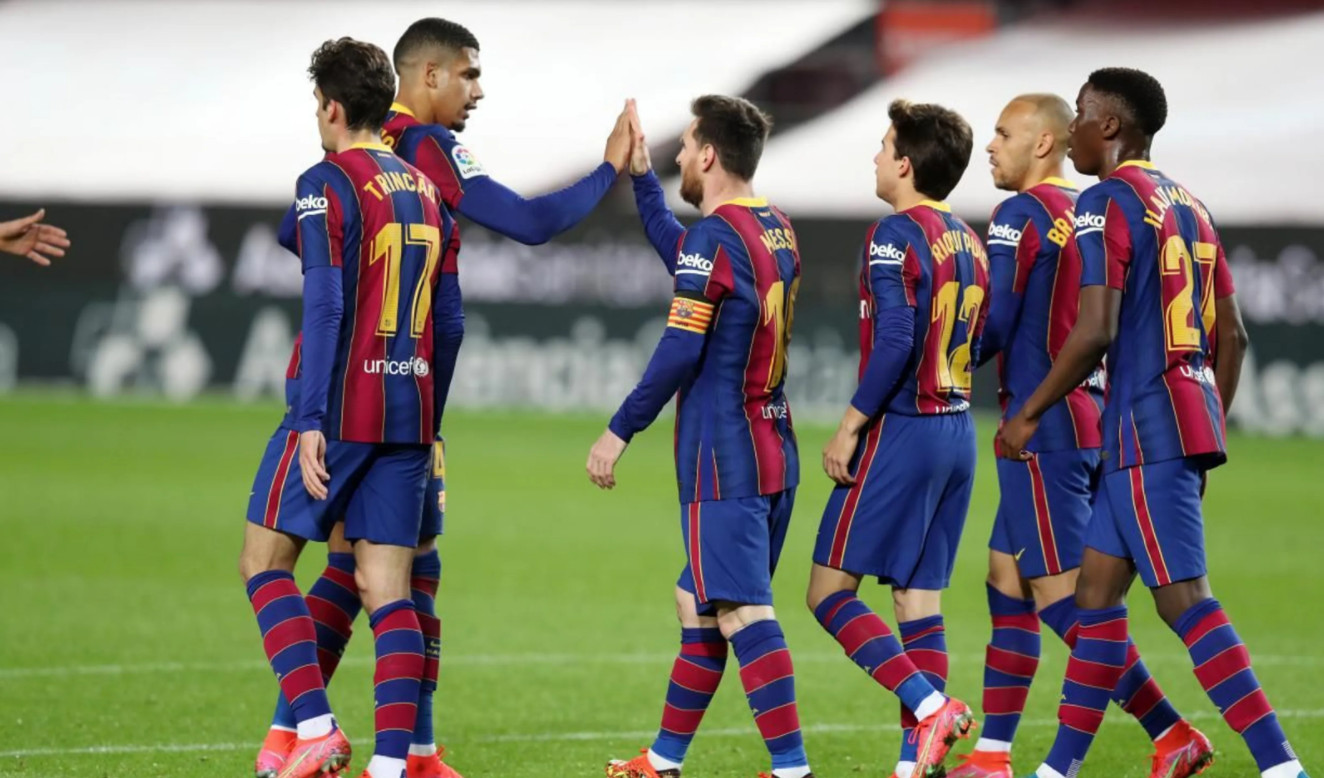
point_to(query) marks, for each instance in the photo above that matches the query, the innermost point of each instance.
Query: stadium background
(140, 375)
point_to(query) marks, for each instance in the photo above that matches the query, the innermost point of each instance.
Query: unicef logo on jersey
(416, 366)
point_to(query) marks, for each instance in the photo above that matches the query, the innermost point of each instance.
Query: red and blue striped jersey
(927, 259)
(734, 437)
(1141, 232)
(435, 150)
(377, 219)
(1036, 286)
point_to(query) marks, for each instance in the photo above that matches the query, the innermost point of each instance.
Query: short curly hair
(357, 75)
(1139, 93)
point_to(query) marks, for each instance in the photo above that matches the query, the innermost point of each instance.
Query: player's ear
(1110, 126)
(1044, 146)
(707, 157)
(903, 167)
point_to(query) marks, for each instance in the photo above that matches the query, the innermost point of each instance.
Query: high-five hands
(621, 141)
(28, 237)
(640, 162)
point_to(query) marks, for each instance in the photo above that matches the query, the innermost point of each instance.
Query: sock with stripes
(398, 675)
(333, 603)
(423, 582)
(925, 643)
(769, 681)
(1010, 662)
(290, 641)
(694, 680)
(1137, 692)
(1222, 665)
(870, 644)
(1095, 666)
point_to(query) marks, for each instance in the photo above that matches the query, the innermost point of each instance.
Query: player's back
(384, 229)
(1036, 225)
(734, 436)
(943, 273)
(1143, 233)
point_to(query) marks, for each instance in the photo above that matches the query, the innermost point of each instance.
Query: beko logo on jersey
(887, 252)
(695, 261)
(310, 201)
(416, 366)
(1089, 221)
(1005, 232)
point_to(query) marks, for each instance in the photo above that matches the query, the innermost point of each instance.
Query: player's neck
(904, 201)
(1122, 153)
(418, 104)
(724, 190)
(1041, 174)
(353, 138)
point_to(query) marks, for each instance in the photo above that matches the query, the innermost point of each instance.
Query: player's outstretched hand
(28, 237)
(620, 141)
(312, 463)
(837, 455)
(1015, 436)
(602, 459)
(640, 161)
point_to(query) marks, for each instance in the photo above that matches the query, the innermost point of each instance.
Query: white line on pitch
(560, 737)
(1260, 660)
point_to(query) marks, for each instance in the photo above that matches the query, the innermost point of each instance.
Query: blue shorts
(376, 488)
(434, 499)
(902, 519)
(733, 547)
(1044, 509)
(1151, 515)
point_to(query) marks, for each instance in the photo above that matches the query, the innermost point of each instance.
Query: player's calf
(769, 680)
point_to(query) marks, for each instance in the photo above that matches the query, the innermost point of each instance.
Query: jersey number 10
(779, 311)
(389, 247)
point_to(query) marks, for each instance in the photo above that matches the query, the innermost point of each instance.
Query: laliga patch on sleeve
(466, 165)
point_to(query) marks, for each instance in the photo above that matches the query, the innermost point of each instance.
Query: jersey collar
(1140, 163)
(747, 202)
(934, 204)
(402, 108)
(1055, 181)
(372, 146)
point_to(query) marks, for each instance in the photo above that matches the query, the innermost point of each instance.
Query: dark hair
(1139, 93)
(736, 128)
(442, 33)
(358, 76)
(937, 141)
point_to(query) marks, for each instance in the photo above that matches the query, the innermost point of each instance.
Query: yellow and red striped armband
(690, 315)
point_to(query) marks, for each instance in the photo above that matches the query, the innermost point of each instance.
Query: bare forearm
(1232, 344)
(1080, 356)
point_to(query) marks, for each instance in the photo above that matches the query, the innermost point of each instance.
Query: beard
(691, 188)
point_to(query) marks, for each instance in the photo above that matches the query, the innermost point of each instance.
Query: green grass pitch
(128, 647)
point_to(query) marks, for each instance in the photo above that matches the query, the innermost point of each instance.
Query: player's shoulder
(898, 229)
(1112, 189)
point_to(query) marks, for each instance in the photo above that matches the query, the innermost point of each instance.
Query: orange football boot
(274, 753)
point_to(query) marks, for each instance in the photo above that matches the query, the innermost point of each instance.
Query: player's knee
(733, 617)
(915, 604)
(426, 545)
(1174, 600)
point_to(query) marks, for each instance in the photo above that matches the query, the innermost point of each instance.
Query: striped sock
(333, 603)
(424, 579)
(870, 644)
(1222, 665)
(925, 642)
(694, 680)
(397, 677)
(769, 681)
(1095, 666)
(1010, 662)
(290, 640)
(1137, 692)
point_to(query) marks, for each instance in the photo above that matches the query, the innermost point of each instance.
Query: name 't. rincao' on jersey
(741, 268)
(1031, 250)
(928, 259)
(376, 217)
(1142, 233)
